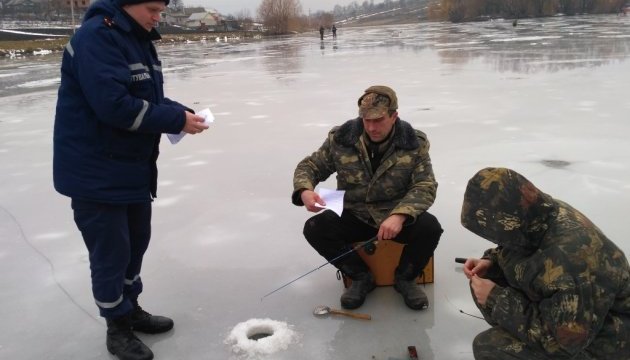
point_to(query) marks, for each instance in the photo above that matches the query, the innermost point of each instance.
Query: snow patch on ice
(165, 202)
(42, 52)
(12, 74)
(527, 38)
(51, 236)
(165, 183)
(281, 336)
(40, 83)
(197, 163)
(318, 125)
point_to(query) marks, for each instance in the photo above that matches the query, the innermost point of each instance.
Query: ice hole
(256, 337)
(259, 332)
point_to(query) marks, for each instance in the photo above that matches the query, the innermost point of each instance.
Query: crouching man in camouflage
(383, 165)
(555, 287)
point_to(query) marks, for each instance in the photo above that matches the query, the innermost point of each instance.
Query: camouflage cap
(377, 101)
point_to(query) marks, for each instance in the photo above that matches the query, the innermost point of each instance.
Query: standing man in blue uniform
(111, 112)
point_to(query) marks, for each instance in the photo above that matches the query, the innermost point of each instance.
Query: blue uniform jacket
(111, 111)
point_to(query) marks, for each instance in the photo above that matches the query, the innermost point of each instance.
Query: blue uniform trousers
(116, 237)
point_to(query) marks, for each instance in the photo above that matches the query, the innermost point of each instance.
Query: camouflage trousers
(497, 344)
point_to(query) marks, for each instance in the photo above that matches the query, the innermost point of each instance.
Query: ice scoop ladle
(325, 310)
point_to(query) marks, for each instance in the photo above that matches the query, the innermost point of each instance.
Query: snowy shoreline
(18, 43)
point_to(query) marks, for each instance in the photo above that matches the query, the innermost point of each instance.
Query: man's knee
(430, 225)
(497, 344)
(316, 225)
(484, 348)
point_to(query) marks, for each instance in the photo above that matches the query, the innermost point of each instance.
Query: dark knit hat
(122, 3)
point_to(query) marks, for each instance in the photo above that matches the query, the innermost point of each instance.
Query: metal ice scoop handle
(323, 310)
(351, 314)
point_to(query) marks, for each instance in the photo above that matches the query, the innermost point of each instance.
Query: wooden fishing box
(384, 261)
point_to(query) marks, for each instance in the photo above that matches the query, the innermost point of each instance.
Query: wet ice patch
(258, 337)
(556, 164)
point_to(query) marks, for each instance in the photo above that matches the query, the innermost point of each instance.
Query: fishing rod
(367, 244)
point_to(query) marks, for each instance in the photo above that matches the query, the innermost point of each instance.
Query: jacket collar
(404, 136)
(128, 24)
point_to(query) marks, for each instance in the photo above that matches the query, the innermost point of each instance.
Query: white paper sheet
(333, 199)
(208, 118)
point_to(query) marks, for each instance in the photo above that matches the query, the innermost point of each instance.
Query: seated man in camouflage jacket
(383, 165)
(555, 287)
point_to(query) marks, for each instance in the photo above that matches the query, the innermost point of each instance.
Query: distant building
(42, 9)
(230, 25)
(80, 5)
(174, 18)
(208, 20)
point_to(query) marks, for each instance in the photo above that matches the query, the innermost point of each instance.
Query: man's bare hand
(390, 227)
(481, 288)
(310, 198)
(194, 124)
(476, 267)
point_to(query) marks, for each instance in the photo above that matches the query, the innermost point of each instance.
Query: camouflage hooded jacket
(402, 184)
(569, 285)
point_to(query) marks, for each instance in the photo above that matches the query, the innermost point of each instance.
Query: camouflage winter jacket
(403, 183)
(569, 285)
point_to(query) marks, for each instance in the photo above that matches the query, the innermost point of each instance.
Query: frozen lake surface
(547, 98)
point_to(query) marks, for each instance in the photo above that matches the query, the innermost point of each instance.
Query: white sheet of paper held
(333, 199)
(208, 118)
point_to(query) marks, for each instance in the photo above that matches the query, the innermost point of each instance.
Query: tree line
(355, 9)
(469, 10)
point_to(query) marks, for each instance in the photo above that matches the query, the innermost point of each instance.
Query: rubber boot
(144, 322)
(412, 293)
(122, 343)
(362, 284)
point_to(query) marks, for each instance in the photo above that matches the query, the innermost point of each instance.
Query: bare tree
(176, 5)
(244, 19)
(323, 18)
(279, 15)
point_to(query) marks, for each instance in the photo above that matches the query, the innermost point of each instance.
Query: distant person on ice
(555, 287)
(383, 165)
(321, 32)
(334, 31)
(111, 112)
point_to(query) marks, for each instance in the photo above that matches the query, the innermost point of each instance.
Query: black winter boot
(144, 322)
(123, 343)
(412, 293)
(362, 284)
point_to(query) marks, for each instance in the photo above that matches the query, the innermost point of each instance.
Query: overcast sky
(233, 6)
